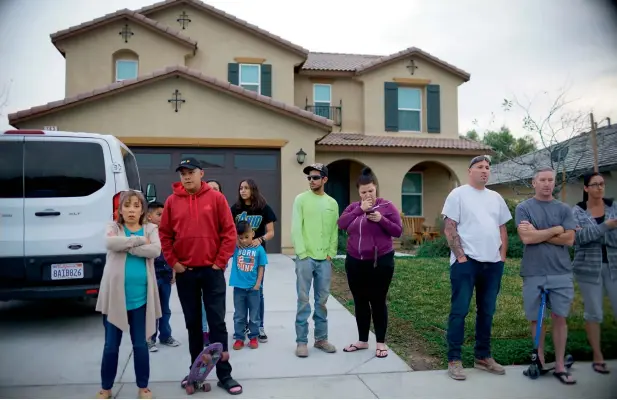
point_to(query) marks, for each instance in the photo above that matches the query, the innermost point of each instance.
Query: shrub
(342, 242)
(434, 248)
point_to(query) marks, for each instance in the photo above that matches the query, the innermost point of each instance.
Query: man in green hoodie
(314, 234)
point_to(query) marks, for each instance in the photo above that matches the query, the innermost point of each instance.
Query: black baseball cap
(189, 163)
(316, 167)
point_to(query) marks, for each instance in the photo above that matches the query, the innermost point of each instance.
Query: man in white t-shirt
(474, 224)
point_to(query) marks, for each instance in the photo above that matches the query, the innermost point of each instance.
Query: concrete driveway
(53, 350)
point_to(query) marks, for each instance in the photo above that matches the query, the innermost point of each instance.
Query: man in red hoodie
(198, 237)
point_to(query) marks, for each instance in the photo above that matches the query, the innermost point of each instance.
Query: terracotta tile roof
(358, 139)
(214, 83)
(336, 61)
(229, 18)
(361, 63)
(124, 13)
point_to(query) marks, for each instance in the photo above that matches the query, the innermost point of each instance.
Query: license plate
(67, 271)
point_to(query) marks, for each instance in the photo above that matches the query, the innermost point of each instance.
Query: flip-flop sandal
(561, 375)
(230, 384)
(602, 371)
(353, 348)
(379, 353)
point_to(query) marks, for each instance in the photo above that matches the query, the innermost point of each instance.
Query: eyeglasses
(313, 177)
(478, 159)
(596, 185)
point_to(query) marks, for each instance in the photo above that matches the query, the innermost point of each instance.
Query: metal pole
(594, 143)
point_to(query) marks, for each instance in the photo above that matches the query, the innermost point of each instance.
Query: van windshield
(63, 169)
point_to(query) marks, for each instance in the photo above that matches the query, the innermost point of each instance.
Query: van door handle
(47, 213)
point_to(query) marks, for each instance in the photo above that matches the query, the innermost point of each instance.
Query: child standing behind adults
(252, 207)
(371, 223)
(165, 277)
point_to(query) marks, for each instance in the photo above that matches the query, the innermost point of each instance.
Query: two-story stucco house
(181, 77)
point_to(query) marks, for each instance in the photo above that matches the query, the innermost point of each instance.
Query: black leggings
(369, 283)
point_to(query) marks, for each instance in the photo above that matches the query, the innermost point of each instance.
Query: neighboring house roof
(118, 15)
(228, 18)
(578, 159)
(213, 83)
(362, 140)
(361, 63)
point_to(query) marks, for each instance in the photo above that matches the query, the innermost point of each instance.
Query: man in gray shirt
(546, 227)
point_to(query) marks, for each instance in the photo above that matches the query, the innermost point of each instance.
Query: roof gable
(363, 63)
(225, 87)
(222, 15)
(119, 15)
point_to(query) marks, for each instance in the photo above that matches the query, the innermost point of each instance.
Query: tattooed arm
(454, 240)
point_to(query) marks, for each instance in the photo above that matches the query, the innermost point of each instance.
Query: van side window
(11, 170)
(63, 169)
(130, 166)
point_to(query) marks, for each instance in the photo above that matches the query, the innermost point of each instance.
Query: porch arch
(342, 181)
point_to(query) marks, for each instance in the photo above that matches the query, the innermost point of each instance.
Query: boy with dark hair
(165, 277)
(247, 271)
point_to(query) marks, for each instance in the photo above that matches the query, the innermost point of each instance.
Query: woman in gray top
(595, 258)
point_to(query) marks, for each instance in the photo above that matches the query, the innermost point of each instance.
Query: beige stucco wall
(220, 42)
(207, 113)
(374, 97)
(440, 175)
(347, 90)
(573, 190)
(90, 56)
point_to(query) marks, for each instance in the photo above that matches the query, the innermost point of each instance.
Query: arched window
(125, 65)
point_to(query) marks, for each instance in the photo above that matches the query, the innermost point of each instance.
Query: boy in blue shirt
(165, 277)
(247, 271)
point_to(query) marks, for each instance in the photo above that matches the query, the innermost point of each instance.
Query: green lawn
(419, 303)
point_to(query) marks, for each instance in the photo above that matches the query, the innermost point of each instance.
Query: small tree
(555, 129)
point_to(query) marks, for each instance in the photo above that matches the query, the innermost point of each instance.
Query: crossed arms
(556, 235)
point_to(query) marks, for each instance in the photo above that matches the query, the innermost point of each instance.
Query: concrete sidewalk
(71, 358)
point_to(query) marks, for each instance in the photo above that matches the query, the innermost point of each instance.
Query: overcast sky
(511, 48)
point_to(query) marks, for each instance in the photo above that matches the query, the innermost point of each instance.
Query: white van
(57, 192)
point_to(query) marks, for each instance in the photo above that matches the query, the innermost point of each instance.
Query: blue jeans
(204, 320)
(261, 302)
(246, 300)
(486, 278)
(307, 272)
(141, 356)
(163, 327)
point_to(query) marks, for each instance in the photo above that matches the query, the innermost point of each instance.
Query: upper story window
(322, 99)
(409, 109)
(250, 77)
(126, 69)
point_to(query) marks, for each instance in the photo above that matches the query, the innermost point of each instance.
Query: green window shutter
(233, 73)
(433, 109)
(391, 106)
(266, 80)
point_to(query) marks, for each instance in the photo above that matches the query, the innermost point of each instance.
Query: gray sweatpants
(593, 295)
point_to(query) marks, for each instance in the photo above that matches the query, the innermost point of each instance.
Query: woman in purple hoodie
(371, 223)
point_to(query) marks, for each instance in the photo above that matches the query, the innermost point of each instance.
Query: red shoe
(253, 343)
(238, 344)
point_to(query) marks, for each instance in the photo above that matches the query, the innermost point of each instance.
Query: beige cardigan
(111, 300)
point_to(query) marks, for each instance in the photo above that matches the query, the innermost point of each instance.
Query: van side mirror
(150, 192)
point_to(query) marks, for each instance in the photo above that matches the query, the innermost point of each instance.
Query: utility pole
(594, 142)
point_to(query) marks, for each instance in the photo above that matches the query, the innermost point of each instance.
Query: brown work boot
(302, 350)
(456, 371)
(326, 346)
(489, 365)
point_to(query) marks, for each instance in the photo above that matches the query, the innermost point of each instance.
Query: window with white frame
(412, 194)
(250, 77)
(409, 109)
(322, 99)
(126, 69)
